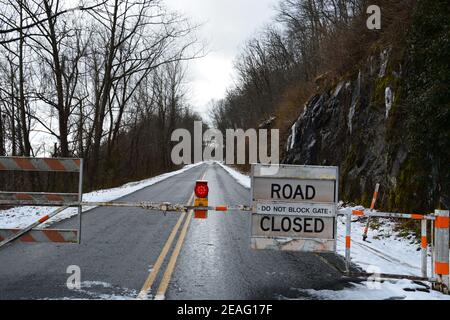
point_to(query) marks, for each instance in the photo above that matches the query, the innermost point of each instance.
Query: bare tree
(134, 38)
(95, 81)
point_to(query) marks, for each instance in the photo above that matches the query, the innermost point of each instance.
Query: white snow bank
(20, 217)
(242, 179)
(388, 289)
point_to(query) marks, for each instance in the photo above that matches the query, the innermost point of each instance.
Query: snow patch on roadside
(389, 289)
(242, 179)
(19, 217)
(98, 290)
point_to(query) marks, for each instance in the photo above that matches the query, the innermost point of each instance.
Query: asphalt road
(120, 248)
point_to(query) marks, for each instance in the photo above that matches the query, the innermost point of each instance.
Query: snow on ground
(98, 290)
(385, 249)
(388, 289)
(386, 252)
(20, 217)
(242, 179)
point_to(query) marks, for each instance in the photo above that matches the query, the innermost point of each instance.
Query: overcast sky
(227, 24)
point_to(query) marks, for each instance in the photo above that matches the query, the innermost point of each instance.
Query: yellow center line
(153, 274)
(160, 293)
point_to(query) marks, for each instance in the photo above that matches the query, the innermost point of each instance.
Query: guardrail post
(441, 264)
(424, 246)
(348, 231)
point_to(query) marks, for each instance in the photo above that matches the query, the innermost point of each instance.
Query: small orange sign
(201, 202)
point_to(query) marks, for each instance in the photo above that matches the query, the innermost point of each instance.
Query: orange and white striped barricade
(40, 164)
(413, 216)
(63, 200)
(13, 234)
(37, 198)
(42, 235)
(441, 263)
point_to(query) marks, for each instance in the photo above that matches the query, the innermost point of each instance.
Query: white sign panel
(293, 226)
(301, 209)
(294, 207)
(294, 190)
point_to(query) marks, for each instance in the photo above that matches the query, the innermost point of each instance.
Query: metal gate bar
(361, 213)
(158, 206)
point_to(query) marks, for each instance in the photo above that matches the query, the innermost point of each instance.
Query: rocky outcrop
(387, 121)
(351, 125)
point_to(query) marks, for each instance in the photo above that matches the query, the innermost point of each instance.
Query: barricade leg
(441, 263)
(348, 230)
(424, 246)
(433, 275)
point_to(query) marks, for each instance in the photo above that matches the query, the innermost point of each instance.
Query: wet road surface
(120, 247)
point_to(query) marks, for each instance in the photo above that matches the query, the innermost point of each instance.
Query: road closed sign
(294, 207)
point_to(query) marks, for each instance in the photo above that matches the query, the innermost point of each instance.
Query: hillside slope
(389, 122)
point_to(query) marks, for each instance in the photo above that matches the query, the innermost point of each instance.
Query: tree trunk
(63, 111)
(22, 112)
(107, 84)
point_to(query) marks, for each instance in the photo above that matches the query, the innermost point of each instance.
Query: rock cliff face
(351, 125)
(388, 122)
